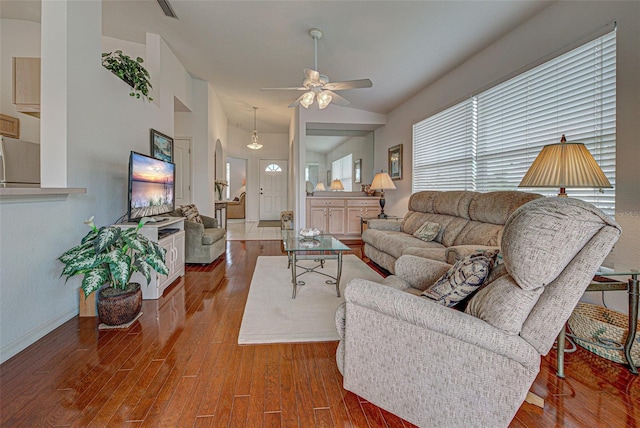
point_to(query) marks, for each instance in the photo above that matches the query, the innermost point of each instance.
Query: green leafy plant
(129, 70)
(110, 255)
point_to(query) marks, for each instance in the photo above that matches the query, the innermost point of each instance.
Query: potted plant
(108, 257)
(129, 70)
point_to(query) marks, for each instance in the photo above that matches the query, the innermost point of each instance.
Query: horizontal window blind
(573, 94)
(443, 159)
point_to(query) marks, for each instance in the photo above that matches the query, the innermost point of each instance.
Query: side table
(632, 286)
(221, 213)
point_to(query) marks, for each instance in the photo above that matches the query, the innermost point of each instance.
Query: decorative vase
(116, 307)
(219, 192)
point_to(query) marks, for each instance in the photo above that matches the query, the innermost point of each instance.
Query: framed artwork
(161, 146)
(328, 178)
(357, 171)
(395, 162)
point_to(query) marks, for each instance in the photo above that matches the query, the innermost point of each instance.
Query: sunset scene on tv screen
(152, 170)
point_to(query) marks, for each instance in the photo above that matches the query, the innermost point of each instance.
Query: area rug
(272, 316)
(269, 223)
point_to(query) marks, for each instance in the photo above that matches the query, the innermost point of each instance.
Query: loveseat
(467, 222)
(204, 240)
(437, 366)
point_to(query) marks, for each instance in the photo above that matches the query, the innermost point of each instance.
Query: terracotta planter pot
(116, 307)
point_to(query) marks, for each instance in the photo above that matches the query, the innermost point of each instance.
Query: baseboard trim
(34, 335)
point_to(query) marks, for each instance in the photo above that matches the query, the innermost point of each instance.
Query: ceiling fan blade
(296, 102)
(337, 99)
(284, 89)
(312, 75)
(349, 84)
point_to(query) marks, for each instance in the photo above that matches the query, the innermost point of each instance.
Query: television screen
(151, 186)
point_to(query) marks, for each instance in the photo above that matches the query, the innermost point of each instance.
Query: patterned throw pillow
(428, 231)
(462, 279)
(190, 212)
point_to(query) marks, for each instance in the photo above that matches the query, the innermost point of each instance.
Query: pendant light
(254, 135)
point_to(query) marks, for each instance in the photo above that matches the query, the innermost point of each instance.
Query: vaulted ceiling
(243, 46)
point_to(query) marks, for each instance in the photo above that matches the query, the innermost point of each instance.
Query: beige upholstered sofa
(204, 242)
(235, 209)
(440, 367)
(468, 221)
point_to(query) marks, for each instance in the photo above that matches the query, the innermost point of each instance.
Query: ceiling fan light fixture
(323, 100)
(254, 145)
(307, 99)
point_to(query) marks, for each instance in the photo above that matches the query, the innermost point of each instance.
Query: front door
(273, 188)
(182, 159)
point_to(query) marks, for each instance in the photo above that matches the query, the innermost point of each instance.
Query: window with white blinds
(444, 149)
(341, 169)
(573, 94)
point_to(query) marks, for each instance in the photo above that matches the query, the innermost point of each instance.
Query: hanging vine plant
(129, 70)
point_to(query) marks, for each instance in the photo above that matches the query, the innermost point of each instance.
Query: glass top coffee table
(319, 249)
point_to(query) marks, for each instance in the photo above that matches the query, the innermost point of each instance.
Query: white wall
(543, 34)
(238, 173)
(103, 125)
(19, 39)
(275, 146)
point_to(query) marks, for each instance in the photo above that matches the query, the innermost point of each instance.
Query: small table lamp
(565, 165)
(337, 185)
(382, 181)
(319, 187)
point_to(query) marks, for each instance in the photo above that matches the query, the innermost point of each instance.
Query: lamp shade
(320, 187)
(337, 185)
(565, 165)
(382, 181)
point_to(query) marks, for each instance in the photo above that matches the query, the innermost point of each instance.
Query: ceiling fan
(317, 86)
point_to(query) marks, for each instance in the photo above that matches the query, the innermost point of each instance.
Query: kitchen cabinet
(340, 216)
(26, 85)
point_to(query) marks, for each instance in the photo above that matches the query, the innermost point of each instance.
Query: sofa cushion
(496, 207)
(393, 243)
(190, 212)
(435, 252)
(462, 279)
(475, 232)
(543, 236)
(428, 231)
(211, 236)
(503, 304)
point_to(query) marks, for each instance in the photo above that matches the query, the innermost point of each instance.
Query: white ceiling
(242, 46)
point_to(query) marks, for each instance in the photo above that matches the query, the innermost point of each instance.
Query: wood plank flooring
(180, 366)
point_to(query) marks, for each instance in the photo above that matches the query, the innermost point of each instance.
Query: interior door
(182, 159)
(273, 188)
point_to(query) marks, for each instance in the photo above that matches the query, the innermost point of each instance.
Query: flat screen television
(151, 186)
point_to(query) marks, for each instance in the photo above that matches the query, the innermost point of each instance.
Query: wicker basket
(594, 325)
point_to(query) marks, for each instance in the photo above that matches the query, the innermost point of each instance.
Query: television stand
(169, 234)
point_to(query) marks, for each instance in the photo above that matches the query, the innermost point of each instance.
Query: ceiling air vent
(167, 9)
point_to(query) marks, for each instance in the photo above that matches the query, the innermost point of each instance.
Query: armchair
(204, 242)
(235, 209)
(437, 366)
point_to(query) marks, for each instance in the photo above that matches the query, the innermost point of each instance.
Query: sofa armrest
(193, 231)
(382, 224)
(458, 252)
(209, 222)
(418, 271)
(361, 294)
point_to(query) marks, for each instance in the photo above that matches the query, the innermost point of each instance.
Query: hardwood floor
(180, 365)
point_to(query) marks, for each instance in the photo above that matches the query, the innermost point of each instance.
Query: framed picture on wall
(161, 146)
(328, 178)
(357, 171)
(395, 162)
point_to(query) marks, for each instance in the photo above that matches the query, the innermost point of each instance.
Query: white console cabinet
(170, 235)
(340, 216)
